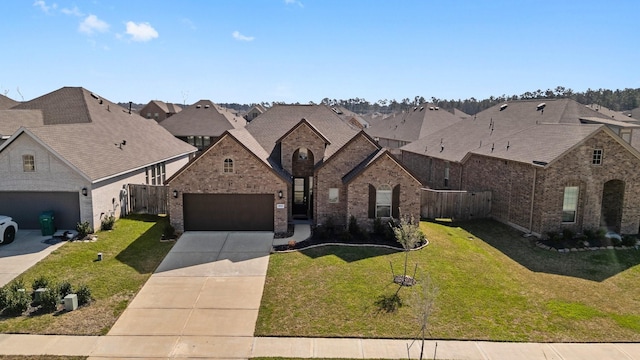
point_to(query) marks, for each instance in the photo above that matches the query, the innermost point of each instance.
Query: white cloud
(236, 35)
(92, 24)
(141, 31)
(293, 2)
(75, 11)
(43, 5)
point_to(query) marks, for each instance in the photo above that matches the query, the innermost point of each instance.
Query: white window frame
(227, 166)
(596, 159)
(384, 200)
(570, 204)
(334, 195)
(28, 163)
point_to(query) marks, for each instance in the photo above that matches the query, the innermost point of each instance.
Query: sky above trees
(301, 51)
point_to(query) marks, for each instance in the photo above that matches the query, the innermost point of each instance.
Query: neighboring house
(550, 166)
(292, 162)
(159, 110)
(401, 129)
(7, 103)
(351, 118)
(72, 152)
(202, 123)
(254, 112)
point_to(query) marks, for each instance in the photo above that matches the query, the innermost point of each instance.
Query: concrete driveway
(203, 299)
(24, 252)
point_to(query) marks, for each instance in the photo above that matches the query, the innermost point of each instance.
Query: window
(206, 141)
(155, 174)
(155, 115)
(191, 140)
(570, 204)
(597, 157)
(228, 166)
(303, 154)
(334, 194)
(148, 115)
(383, 201)
(28, 163)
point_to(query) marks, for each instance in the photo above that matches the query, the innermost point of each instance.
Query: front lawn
(493, 285)
(131, 252)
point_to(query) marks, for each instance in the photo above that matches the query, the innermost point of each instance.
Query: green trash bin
(47, 223)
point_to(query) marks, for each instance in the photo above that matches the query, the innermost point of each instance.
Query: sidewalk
(99, 347)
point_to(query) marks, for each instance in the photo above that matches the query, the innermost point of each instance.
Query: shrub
(554, 237)
(629, 240)
(17, 303)
(378, 226)
(16, 285)
(49, 300)
(64, 289)
(590, 234)
(40, 282)
(84, 294)
(83, 229)
(107, 222)
(567, 234)
(169, 231)
(4, 295)
(354, 228)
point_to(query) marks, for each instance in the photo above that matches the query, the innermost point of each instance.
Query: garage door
(225, 212)
(25, 208)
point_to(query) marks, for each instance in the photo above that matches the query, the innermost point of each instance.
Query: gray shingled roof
(203, 118)
(277, 120)
(86, 129)
(7, 103)
(413, 124)
(540, 143)
(12, 120)
(454, 142)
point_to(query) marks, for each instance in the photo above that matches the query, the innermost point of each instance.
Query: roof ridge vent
(503, 106)
(198, 106)
(540, 106)
(431, 108)
(436, 108)
(207, 106)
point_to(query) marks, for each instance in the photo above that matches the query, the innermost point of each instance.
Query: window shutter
(372, 201)
(395, 202)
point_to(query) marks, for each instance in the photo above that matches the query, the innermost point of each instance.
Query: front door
(301, 199)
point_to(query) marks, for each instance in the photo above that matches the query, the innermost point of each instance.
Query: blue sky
(306, 50)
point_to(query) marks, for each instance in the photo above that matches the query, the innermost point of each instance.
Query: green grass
(493, 285)
(131, 252)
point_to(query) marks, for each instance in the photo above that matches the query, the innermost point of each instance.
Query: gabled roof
(249, 143)
(370, 161)
(203, 118)
(98, 137)
(269, 127)
(611, 114)
(413, 124)
(539, 144)
(347, 116)
(7, 103)
(167, 108)
(345, 147)
(454, 142)
(313, 128)
(612, 122)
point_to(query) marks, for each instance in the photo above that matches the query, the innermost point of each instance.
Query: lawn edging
(399, 248)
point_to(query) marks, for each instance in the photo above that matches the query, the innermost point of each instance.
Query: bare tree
(422, 302)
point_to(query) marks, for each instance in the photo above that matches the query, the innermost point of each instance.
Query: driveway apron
(202, 301)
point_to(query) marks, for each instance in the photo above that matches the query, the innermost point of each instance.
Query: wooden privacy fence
(454, 204)
(147, 199)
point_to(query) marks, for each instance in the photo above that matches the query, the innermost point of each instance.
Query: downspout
(533, 197)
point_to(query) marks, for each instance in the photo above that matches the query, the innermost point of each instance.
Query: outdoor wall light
(84, 191)
(280, 195)
(175, 194)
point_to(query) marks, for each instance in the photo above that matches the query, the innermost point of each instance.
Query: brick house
(72, 151)
(400, 129)
(159, 110)
(550, 166)
(202, 123)
(292, 162)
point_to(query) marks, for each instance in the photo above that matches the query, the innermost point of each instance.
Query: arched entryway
(612, 201)
(302, 199)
